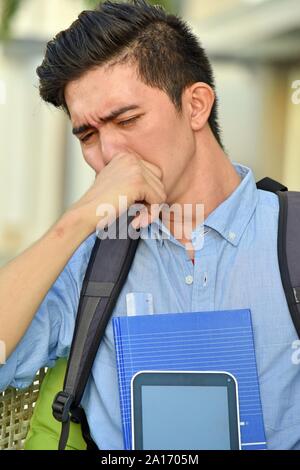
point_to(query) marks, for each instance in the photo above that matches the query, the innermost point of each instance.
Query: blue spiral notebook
(221, 340)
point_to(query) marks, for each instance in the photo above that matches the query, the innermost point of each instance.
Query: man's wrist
(73, 226)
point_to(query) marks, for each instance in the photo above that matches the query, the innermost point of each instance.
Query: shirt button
(232, 236)
(189, 280)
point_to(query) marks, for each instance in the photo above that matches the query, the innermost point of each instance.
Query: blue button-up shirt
(237, 267)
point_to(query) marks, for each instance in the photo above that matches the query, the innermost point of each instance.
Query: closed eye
(86, 138)
(128, 121)
(121, 123)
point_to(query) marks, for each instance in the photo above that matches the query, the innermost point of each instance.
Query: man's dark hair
(167, 54)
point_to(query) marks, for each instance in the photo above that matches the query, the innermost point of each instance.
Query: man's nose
(111, 144)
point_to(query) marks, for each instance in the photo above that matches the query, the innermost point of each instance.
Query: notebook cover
(221, 340)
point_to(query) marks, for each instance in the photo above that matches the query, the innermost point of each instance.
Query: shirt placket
(204, 276)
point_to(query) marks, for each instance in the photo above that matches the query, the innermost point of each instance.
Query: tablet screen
(185, 411)
(190, 417)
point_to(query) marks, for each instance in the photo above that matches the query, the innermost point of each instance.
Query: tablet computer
(182, 410)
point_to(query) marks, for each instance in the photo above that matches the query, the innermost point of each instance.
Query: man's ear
(199, 99)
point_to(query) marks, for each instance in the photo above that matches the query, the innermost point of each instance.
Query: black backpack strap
(107, 271)
(288, 244)
(289, 251)
(78, 416)
(267, 184)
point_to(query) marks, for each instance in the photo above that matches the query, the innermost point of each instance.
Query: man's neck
(207, 181)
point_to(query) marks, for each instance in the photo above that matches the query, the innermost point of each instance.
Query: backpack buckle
(61, 406)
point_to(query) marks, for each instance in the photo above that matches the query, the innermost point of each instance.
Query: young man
(139, 90)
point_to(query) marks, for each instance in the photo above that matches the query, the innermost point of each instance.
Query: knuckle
(131, 159)
(138, 177)
(127, 158)
(119, 156)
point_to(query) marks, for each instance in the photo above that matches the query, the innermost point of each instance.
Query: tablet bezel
(184, 378)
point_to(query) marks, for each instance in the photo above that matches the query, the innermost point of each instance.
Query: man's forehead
(115, 113)
(108, 81)
(105, 92)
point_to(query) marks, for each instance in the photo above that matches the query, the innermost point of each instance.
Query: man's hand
(33, 272)
(126, 175)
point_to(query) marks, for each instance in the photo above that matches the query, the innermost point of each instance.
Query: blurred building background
(254, 46)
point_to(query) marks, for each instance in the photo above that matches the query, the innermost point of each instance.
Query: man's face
(152, 129)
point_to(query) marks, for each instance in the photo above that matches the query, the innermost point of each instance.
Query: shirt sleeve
(50, 333)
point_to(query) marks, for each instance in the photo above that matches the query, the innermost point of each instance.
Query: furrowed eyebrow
(81, 129)
(113, 115)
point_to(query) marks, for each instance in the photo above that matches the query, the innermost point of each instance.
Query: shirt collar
(232, 216)
(229, 219)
